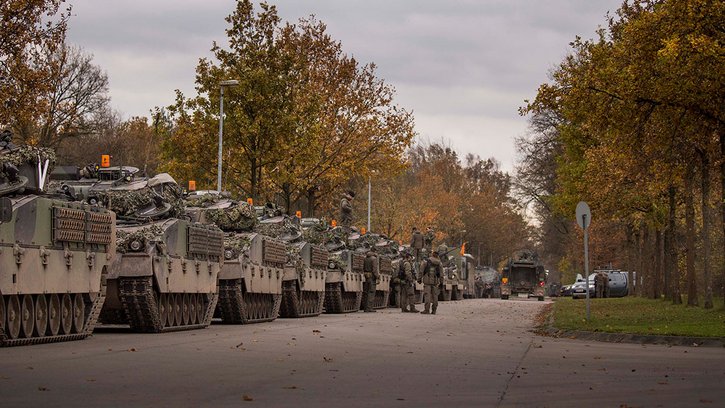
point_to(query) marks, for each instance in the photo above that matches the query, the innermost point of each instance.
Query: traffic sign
(583, 215)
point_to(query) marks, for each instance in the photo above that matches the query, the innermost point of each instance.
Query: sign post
(584, 218)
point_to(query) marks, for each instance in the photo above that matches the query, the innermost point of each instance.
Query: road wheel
(192, 308)
(163, 310)
(185, 315)
(13, 312)
(200, 311)
(54, 315)
(79, 313)
(178, 312)
(66, 314)
(27, 316)
(41, 315)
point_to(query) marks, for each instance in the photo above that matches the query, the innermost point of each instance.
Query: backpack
(401, 270)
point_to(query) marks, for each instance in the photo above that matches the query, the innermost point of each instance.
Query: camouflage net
(278, 229)
(237, 243)
(143, 235)
(316, 234)
(238, 218)
(126, 203)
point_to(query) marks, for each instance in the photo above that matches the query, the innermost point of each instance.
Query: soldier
(605, 284)
(407, 280)
(599, 285)
(346, 209)
(432, 278)
(371, 276)
(428, 239)
(416, 243)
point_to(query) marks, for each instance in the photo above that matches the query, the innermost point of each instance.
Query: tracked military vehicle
(164, 277)
(54, 254)
(250, 281)
(386, 251)
(344, 276)
(452, 288)
(268, 270)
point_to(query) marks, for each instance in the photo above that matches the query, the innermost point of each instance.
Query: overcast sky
(463, 67)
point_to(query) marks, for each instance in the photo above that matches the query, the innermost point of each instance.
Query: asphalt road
(472, 353)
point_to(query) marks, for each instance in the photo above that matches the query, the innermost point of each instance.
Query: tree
(305, 119)
(29, 31)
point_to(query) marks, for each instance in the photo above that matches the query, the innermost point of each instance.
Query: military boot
(413, 309)
(434, 310)
(425, 311)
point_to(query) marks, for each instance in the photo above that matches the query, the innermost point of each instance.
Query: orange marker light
(105, 160)
(298, 214)
(333, 223)
(250, 201)
(363, 230)
(505, 280)
(192, 185)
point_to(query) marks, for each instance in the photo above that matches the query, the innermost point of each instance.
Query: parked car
(565, 290)
(578, 289)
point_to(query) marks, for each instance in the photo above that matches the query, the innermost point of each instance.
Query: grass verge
(640, 316)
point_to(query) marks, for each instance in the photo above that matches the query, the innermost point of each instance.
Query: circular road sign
(583, 215)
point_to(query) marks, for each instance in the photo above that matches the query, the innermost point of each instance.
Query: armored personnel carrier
(305, 269)
(344, 277)
(386, 251)
(54, 254)
(164, 277)
(268, 270)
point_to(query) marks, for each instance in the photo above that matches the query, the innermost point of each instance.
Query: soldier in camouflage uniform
(429, 238)
(346, 209)
(407, 280)
(432, 277)
(371, 276)
(416, 243)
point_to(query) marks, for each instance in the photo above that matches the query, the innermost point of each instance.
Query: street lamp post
(370, 199)
(222, 84)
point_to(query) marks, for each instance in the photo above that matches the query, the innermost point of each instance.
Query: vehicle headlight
(135, 245)
(331, 265)
(228, 254)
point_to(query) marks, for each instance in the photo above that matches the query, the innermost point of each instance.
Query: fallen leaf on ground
(247, 397)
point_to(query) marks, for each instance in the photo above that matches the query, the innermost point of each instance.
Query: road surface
(472, 353)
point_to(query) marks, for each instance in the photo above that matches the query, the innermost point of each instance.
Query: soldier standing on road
(416, 243)
(428, 239)
(432, 278)
(346, 209)
(407, 280)
(370, 269)
(605, 284)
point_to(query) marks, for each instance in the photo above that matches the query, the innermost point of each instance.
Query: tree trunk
(722, 201)
(705, 160)
(253, 179)
(311, 202)
(659, 260)
(690, 236)
(669, 237)
(674, 286)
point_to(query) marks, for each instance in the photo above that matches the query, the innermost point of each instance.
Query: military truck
(164, 277)
(523, 274)
(54, 254)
